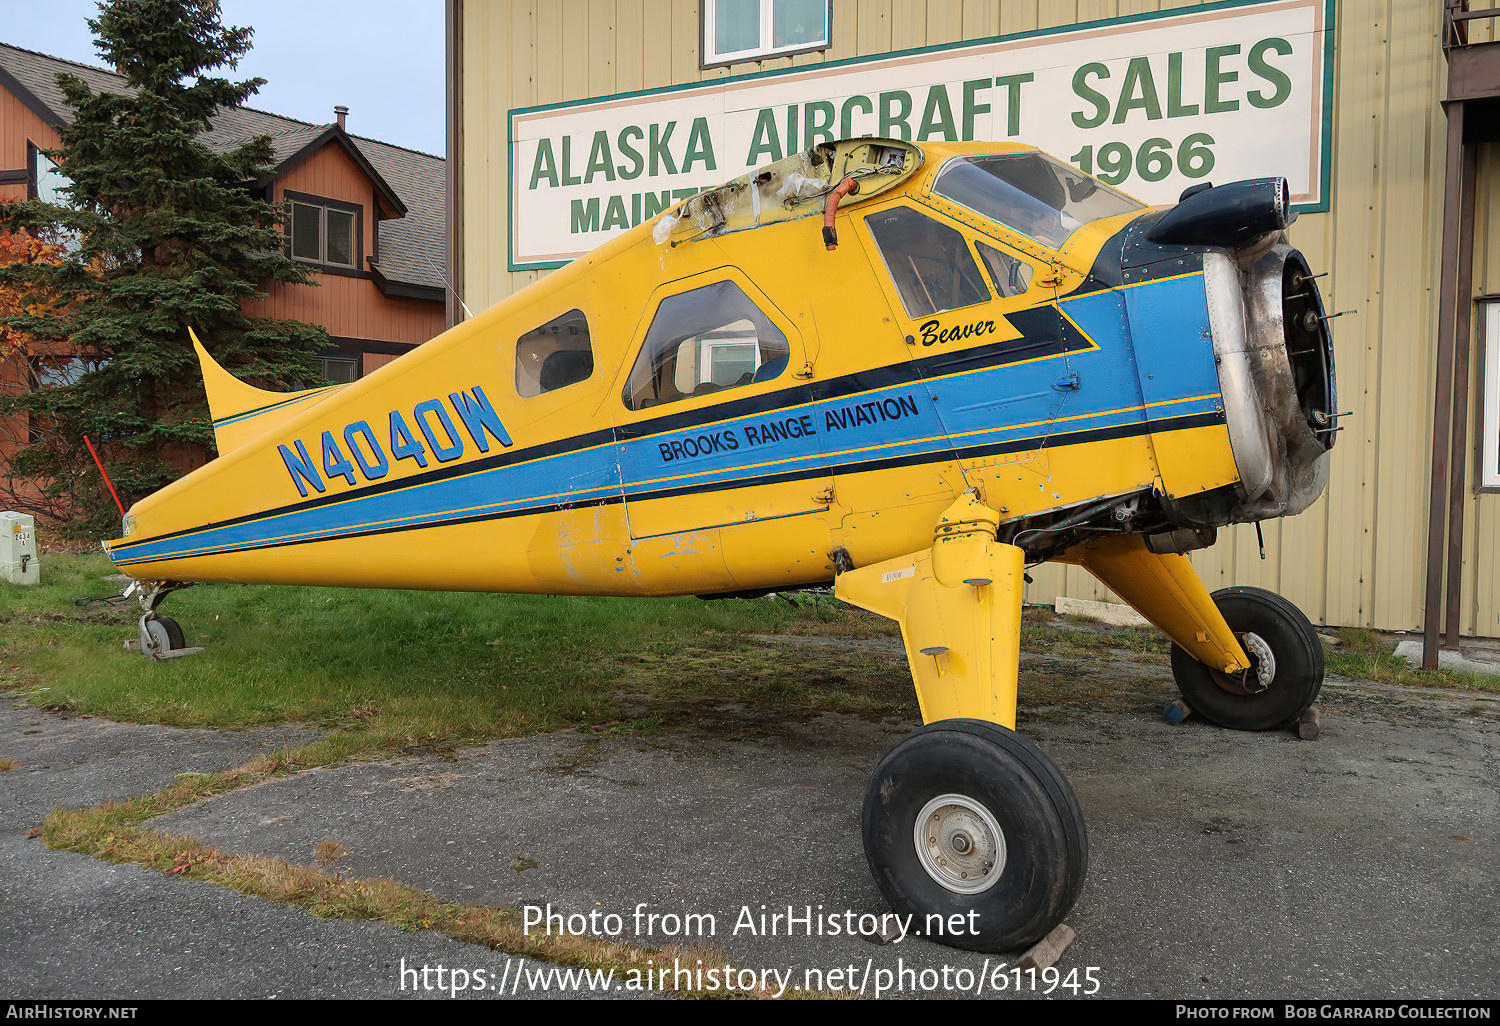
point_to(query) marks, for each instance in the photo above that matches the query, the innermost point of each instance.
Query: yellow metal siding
(1356, 557)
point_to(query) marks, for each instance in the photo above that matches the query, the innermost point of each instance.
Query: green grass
(405, 666)
(1365, 655)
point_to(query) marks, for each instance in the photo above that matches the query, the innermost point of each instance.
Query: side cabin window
(702, 341)
(1011, 276)
(556, 355)
(930, 262)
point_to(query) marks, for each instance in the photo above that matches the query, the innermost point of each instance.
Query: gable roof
(412, 243)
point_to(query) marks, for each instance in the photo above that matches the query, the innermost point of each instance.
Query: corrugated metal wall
(1355, 558)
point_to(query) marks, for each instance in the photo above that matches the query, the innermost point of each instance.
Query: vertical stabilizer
(241, 412)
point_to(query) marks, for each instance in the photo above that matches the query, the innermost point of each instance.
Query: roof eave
(404, 290)
(51, 117)
(336, 134)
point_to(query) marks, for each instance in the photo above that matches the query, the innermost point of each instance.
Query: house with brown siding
(366, 217)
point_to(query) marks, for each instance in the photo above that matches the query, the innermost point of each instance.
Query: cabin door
(985, 337)
(719, 434)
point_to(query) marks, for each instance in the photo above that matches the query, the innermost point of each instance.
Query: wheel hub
(1265, 661)
(960, 844)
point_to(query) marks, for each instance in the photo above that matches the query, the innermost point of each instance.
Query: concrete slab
(1113, 613)
(1485, 661)
(1224, 865)
(72, 926)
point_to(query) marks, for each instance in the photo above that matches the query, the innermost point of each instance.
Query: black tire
(175, 639)
(1294, 643)
(1045, 840)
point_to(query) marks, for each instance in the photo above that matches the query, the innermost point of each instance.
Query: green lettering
(889, 104)
(659, 154)
(545, 164)
(637, 163)
(972, 107)
(700, 147)
(1138, 91)
(654, 203)
(765, 139)
(846, 115)
(601, 160)
(1087, 94)
(1012, 85)
(1275, 77)
(937, 116)
(1175, 107)
(585, 216)
(568, 178)
(791, 128)
(1215, 76)
(818, 122)
(614, 214)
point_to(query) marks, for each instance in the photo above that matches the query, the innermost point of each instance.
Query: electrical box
(18, 560)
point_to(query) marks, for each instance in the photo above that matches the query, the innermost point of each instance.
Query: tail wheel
(966, 816)
(167, 633)
(1286, 665)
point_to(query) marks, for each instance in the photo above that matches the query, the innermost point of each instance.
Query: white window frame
(1487, 475)
(706, 347)
(712, 59)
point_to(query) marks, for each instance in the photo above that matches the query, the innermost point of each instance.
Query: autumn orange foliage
(17, 351)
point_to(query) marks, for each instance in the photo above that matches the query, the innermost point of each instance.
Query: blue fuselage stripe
(1090, 391)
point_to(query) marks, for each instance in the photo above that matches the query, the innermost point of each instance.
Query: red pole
(102, 474)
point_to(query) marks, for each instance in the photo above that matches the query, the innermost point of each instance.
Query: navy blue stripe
(932, 456)
(993, 355)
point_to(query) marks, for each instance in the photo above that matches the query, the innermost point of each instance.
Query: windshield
(1032, 193)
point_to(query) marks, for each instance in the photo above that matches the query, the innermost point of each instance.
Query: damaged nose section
(1274, 355)
(1271, 342)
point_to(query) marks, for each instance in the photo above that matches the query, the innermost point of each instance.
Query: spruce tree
(164, 234)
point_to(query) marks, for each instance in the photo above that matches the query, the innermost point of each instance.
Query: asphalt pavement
(1223, 864)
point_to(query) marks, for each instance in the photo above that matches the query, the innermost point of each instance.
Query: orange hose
(831, 208)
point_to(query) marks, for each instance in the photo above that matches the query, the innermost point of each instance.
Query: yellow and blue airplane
(984, 359)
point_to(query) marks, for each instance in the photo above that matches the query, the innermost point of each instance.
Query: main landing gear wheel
(1286, 665)
(967, 816)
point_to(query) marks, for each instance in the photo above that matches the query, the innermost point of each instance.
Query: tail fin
(242, 412)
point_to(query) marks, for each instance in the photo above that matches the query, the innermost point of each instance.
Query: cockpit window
(705, 340)
(932, 266)
(1032, 193)
(1012, 277)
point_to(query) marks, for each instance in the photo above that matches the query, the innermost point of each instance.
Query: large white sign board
(1152, 103)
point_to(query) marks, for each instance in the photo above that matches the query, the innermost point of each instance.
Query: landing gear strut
(965, 816)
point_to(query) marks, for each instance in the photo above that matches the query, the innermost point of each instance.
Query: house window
(929, 262)
(59, 371)
(747, 30)
(554, 356)
(703, 341)
(323, 234)
(47, 184)
(340, 370)
(50, 182)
